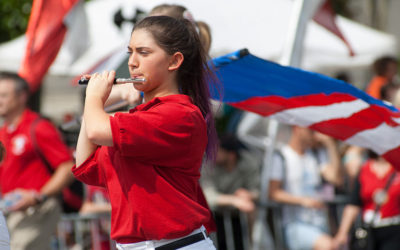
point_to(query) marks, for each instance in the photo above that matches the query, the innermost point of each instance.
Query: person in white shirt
(296, 180)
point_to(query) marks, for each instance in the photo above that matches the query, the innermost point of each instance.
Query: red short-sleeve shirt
(22, 167)
(367, 184)
(152, 171)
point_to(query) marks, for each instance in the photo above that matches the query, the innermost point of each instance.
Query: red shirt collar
(26, 116)
(179, 98)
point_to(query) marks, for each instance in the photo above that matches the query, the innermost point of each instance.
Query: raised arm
(332, 172)
(84, 147)
(97, 121)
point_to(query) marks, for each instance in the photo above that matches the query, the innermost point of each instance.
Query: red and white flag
(297, 97)
(44, 35)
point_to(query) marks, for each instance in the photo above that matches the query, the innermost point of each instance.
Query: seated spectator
(296, 180)
(367, 193)
(232, 182)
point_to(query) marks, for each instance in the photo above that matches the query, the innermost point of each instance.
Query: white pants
(205, 244)
(4, 235)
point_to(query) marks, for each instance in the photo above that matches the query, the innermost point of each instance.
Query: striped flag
(297, 97)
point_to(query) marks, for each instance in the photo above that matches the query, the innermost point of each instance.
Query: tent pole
(302, 12)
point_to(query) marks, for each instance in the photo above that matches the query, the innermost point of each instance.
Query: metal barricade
(84, 232)
(231, 224)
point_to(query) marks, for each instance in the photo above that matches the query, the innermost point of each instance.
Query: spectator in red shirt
(149, 159)
(33, 218)
(369, 191)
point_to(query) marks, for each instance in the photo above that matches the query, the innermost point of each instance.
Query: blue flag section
(298, 97)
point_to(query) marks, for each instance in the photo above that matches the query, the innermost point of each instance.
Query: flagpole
(292, 53)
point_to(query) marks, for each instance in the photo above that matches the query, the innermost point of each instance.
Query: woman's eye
(129, 52)
(143, 52)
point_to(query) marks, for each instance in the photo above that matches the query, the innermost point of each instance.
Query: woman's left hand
(100, 85)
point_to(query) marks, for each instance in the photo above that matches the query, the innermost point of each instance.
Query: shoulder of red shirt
(179, 98)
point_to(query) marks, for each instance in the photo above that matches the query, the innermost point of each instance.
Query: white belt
(151, 244)
(388, 221)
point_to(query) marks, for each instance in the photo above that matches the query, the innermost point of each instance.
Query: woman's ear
(176, 61)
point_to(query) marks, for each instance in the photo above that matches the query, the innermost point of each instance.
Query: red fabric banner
(44, 35)
(325, 17)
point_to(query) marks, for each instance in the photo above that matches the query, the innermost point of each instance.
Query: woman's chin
(139, 87)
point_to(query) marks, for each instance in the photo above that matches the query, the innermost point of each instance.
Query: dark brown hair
(381, 64)
(21, 86)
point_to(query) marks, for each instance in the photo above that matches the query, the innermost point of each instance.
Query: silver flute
(85, 81)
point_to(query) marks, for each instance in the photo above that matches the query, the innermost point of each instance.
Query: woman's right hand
(100, 85)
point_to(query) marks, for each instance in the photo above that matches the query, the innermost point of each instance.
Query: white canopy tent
(260, 26)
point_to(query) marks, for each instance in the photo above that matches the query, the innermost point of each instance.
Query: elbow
(338, 179)
(339, 183)
(99, 136)
(274, 189)
(272, 195)
(91, 135)
(93, 129)
(97, 124)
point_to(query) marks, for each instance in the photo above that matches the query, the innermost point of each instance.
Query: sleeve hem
(77, 170)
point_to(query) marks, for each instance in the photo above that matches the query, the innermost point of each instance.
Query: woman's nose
(132, 62)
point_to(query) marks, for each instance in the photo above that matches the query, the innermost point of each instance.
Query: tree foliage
(14, 18)
(341, 7)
